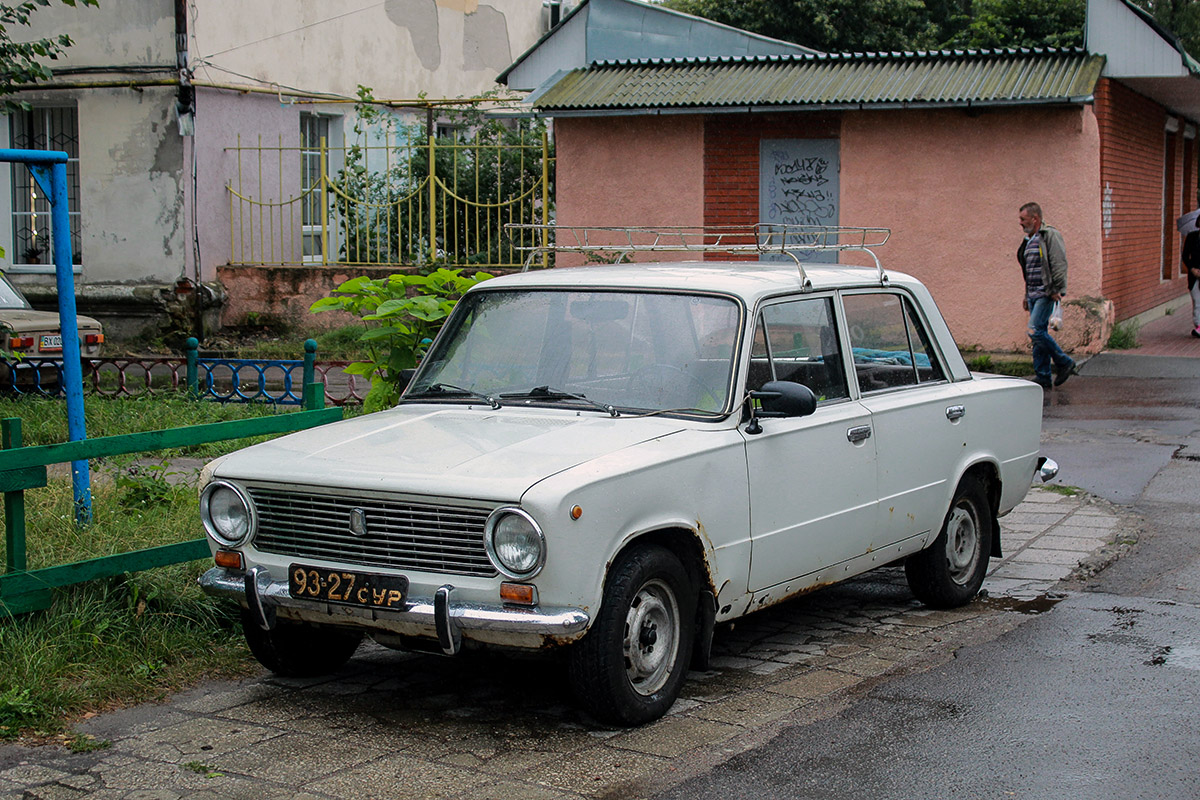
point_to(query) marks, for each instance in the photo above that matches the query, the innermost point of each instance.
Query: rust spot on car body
(767, 601)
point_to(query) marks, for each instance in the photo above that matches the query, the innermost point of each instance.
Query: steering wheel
(669, 386)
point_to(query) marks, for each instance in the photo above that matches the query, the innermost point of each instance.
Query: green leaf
(375, 334)
(402, 359)
(327, 304)
(361, 368)
(394, 306)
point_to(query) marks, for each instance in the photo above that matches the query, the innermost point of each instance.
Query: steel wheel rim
(962, 544)
(651, 640)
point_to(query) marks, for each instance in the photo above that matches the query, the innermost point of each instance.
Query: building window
(314, 130)
(43, 129)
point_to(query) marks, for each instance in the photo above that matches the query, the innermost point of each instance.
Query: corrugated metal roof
(979, 77)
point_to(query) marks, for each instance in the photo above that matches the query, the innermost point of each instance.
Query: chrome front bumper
(262, 596)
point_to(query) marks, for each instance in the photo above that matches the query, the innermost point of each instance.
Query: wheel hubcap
(962, 545)
(651, 637)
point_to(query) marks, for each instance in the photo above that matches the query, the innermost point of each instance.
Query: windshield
(637, 351)
(9, 296)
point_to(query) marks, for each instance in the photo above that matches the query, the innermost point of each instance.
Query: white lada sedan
(614, 459)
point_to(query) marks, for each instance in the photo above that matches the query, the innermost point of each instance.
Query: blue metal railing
(226, 380)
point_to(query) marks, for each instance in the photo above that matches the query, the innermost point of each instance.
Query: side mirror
(780, 399)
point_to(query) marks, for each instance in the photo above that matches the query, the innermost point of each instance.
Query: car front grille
(426, 537)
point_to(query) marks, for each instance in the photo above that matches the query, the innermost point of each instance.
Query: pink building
(942, 148)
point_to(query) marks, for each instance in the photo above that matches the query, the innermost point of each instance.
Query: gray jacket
(1054, 260)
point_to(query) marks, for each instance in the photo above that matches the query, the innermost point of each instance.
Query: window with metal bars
(43, 128)
(313, 130)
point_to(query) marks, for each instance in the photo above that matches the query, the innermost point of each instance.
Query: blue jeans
(1045, 349)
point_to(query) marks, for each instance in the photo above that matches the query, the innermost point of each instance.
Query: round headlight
(227, 513)
(515, 543)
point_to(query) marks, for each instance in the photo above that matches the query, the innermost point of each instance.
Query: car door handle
(955, 412)
(859, 434)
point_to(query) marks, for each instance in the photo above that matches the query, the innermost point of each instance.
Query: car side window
(797, 341)
(891, 347)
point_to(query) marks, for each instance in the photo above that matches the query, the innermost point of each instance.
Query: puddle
(1185, 656)
(1037, 605)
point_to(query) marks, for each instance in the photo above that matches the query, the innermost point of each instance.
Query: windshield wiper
(445, 389)
(546, 393)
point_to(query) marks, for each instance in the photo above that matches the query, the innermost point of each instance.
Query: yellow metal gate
(441, 202)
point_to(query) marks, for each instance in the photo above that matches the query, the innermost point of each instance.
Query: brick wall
(1140, 246)
(731, 160)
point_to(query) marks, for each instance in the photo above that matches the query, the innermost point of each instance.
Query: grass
(336, 344)
(1019, 366)
(44, 421)
(130, 639)
(1063, 489)
(1124, 336)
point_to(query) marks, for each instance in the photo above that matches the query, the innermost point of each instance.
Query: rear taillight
(94, 338)
(21, 342)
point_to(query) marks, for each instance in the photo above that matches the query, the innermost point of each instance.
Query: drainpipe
(185, 109)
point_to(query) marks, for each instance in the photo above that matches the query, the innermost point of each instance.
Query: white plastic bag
(1056, 317)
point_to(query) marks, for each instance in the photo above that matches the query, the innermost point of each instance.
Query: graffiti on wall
(798, 185)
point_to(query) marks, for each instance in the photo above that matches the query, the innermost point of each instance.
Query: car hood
(27, 320)
(456, 451)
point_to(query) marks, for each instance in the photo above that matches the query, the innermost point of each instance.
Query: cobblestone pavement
(397, 725)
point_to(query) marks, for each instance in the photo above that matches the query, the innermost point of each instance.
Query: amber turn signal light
(230, 559)
(521, 594)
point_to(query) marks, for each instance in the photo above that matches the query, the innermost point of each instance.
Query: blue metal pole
(69, 323)
(52, 165)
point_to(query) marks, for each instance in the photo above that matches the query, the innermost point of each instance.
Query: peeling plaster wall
(139, 32)
(399, 48)
(131, 186)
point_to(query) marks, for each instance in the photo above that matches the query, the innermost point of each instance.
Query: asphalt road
(1097, 697)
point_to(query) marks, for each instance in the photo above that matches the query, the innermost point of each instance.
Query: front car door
(812, 479)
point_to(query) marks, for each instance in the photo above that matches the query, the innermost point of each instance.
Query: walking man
(1043, 259)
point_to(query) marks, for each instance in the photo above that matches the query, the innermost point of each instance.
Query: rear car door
(918, 417)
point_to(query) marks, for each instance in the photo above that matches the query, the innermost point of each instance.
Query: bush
(403, 313)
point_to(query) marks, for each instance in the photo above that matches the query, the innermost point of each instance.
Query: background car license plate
(51, 341)
(343, 586)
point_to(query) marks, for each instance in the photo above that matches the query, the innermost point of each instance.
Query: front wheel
(297, 650)
(629, 668)
(949, 573)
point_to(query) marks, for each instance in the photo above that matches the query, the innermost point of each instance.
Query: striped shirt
(1034, 288)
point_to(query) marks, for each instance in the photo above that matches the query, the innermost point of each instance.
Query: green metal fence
(24, 468)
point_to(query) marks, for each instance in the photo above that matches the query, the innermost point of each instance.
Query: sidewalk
(401, 725)
(1166, 336)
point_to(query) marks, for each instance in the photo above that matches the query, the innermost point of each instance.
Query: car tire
(949, 573)
(630, 666)
(297, 650)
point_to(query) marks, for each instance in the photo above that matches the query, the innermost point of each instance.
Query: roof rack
(764, 238)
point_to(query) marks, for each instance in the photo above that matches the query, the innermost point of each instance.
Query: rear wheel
(297, 650)
(949, 573)
(630, 667)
